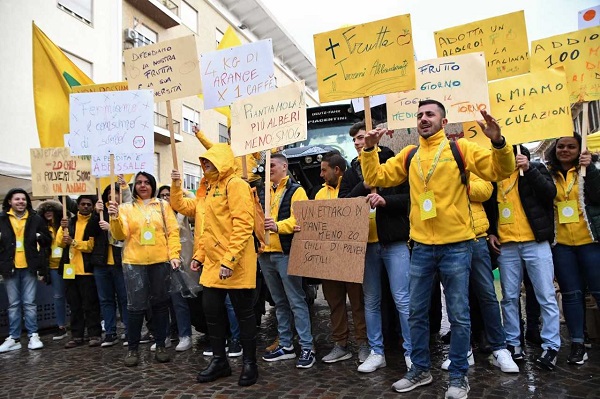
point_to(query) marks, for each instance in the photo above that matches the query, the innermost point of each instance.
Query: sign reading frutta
(116, 86)
(532, 107)
(170, 69)
(269, 120)
(364, 60)
(112, 122)
(237, 72)
(503, 39)
(332, 241)
(55, 172)
(123, 164)
(459, 82)
(579, 54)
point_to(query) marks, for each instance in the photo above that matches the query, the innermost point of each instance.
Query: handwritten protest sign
(364, 60)
(55, 172)
(170, 68)
(503, 39)
(112, 122)
(116, 86)
(532, 107)
(237, 72)
(333, 239)
(459, 82)
(269, 120)
(124, 164)
(579, 54)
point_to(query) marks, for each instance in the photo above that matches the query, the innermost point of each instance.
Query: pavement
(84, 372)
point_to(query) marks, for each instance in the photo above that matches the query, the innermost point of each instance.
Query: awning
(14, 176)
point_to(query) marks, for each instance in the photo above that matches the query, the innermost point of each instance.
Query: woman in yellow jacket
(151, 234)
(225, 253)
(577, 223)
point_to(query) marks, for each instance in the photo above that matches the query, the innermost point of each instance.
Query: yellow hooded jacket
(578, 233)
(453, 222)
(228, 224)
(133, 218)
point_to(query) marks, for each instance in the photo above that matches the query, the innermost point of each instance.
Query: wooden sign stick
(244, 168)
(64, 204)
(267, 191)
(368, 124)
(172, 135)
(99, 197)
(112, 177)
(585, 126)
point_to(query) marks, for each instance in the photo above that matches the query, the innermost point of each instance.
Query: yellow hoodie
(570, 233)
(520, 229)
(228, 224)
(328, 192)
(453, 221)
(133, 218)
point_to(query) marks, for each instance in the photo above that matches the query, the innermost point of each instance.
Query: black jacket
(92, 229)
(392, 219)
(99, 255)
(537, 192)
(37, 261)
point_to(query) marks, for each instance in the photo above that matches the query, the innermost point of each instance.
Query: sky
(304, 18)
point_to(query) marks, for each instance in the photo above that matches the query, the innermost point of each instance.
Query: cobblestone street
(54, 372)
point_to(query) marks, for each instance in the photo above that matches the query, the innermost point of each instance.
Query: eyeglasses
(165, 195)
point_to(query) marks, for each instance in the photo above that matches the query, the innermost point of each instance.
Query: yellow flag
(230, 39)
(53, 76)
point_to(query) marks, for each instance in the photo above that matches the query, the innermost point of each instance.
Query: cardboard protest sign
(170, 68)
(333, 239)
(459, 82)
(237, 72)
(113, 122)
(579, 54)
(124, 164)
(364, 60)
(116, 86)
(503, 39)
(55, 172)
(269, 120)
(532, 107)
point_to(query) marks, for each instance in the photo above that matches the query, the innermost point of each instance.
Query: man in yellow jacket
(441, 228)
(333, 167)
(225, 254)
(286, 290)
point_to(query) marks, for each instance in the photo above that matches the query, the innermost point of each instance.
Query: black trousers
(213, 301)
(82, 297)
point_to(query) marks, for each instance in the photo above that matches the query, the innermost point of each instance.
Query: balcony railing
(161, 121)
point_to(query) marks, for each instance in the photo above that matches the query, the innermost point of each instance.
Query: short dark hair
(163, 187)
(434, 102)
(151, 180)
(334, 158)
(358, 126)
(106, 192)
(9, 195)
(89, 197)
(280, 156)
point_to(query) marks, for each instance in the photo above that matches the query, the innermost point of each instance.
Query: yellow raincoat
(228, 224)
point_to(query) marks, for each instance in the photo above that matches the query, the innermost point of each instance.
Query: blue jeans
(453, 262)
(60, 302)
(576, 268)
(182, 314)
(21, 289)
(289, 298)
(395, 259)
(234, 326)
(537, 259)
(111, 284)
(482, 282)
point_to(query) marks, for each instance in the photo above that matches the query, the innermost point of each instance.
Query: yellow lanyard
(436, 159)
(145, 215)
(508, 190)
(276, 198)
(570, 186)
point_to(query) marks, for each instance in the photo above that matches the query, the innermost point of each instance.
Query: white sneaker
(470, 359)
(167, 344)
(184, 344)
(373, 362)
(503, 359)
(35, 342)
(10, 345)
